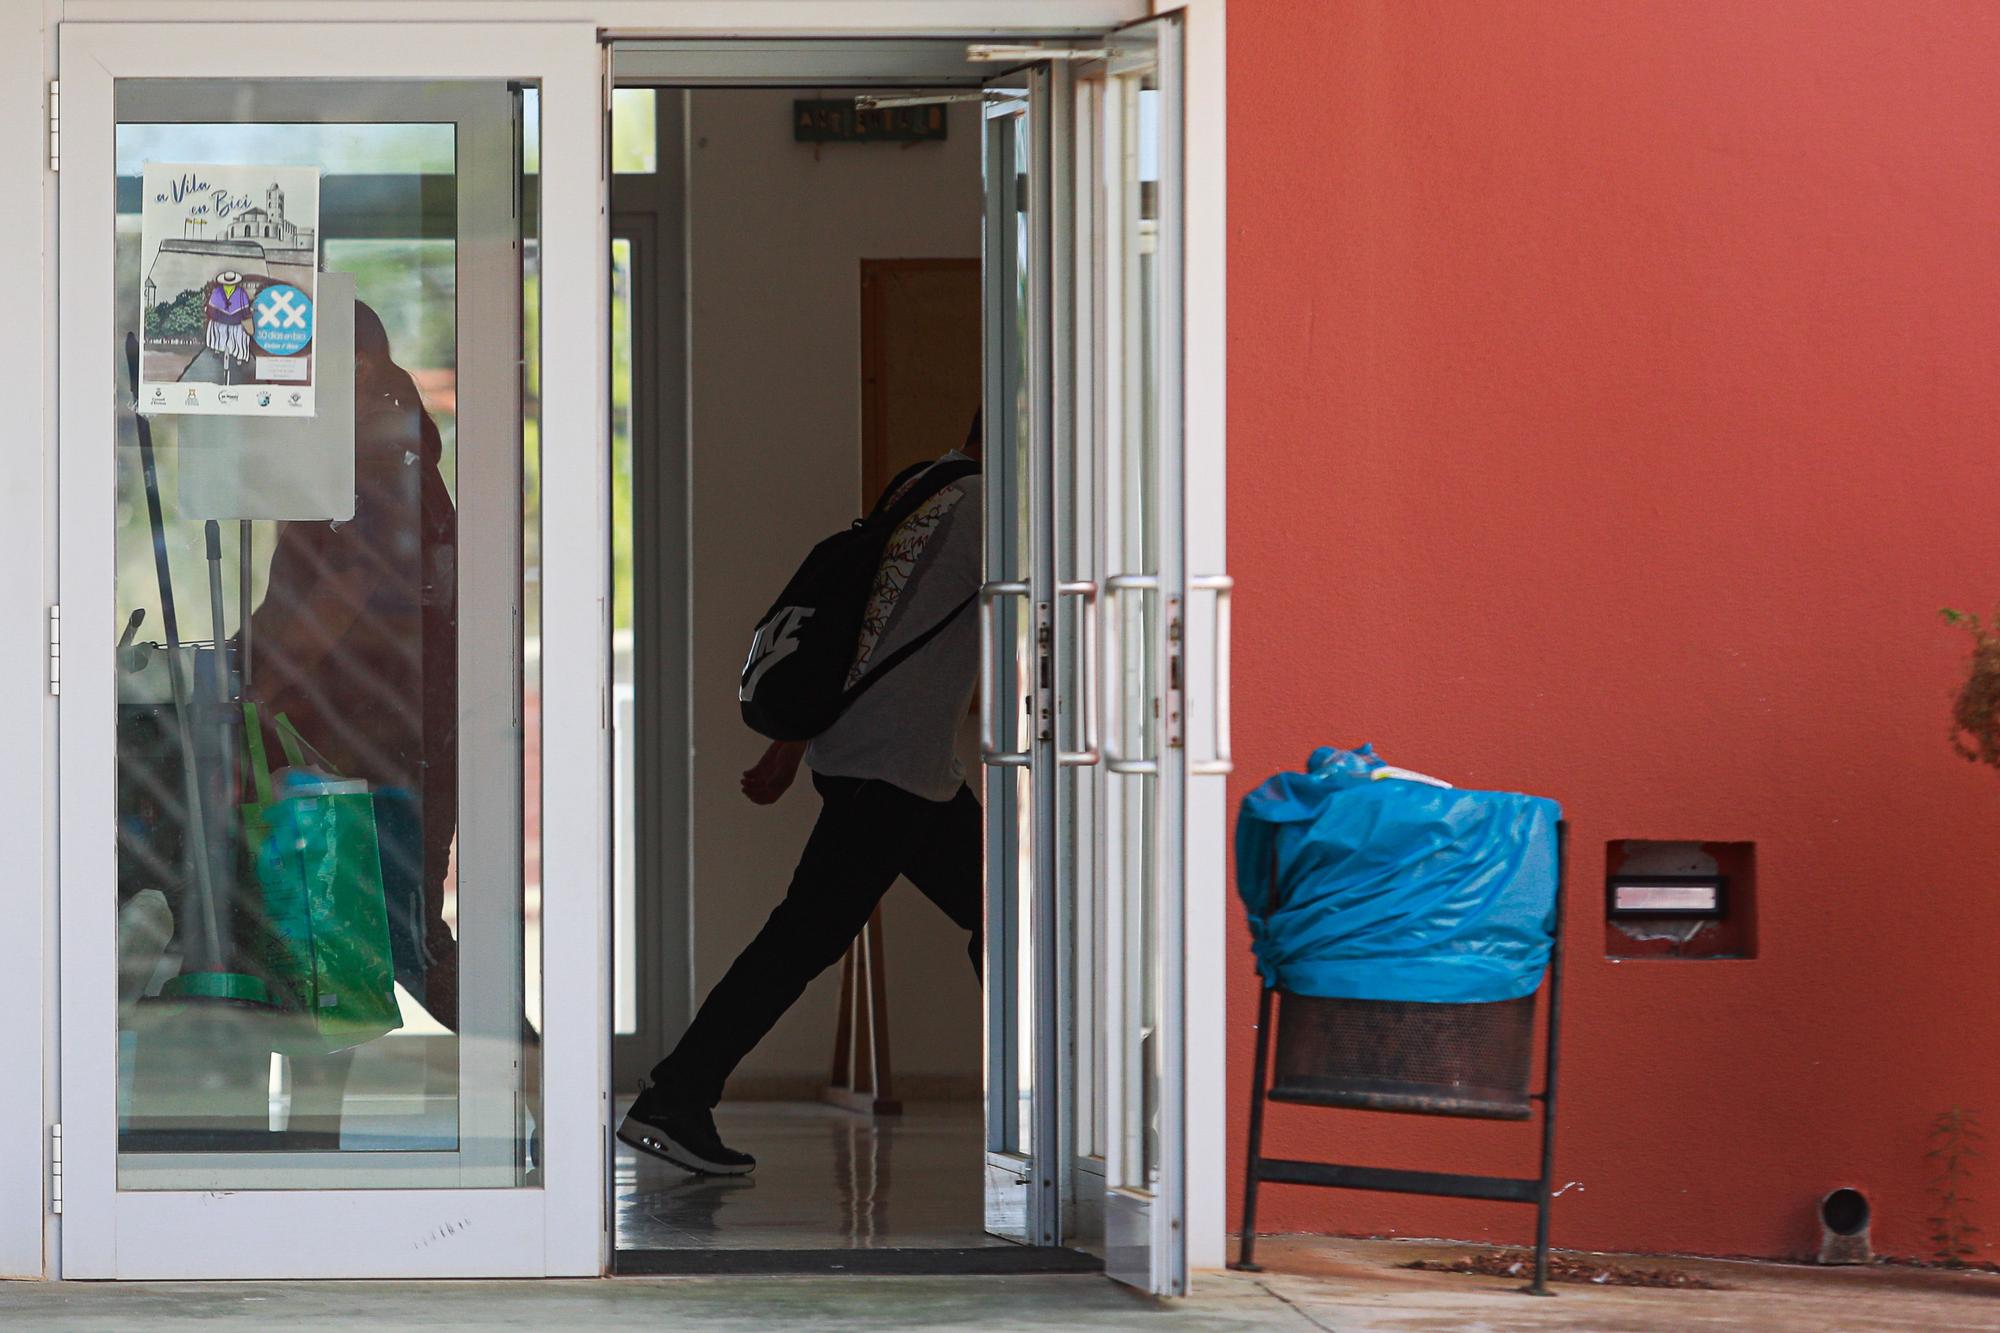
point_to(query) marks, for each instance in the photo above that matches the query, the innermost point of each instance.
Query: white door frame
(30, 1233)
(1144, 1210)
(1205, 357)
(1145, 1215)
(689, 61)
(1205, 508)
(27, 721)
(557, 1228)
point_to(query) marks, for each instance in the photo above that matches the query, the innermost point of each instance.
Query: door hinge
(55, 124)
(1176, 675)
(55, 650)
(55, 1168)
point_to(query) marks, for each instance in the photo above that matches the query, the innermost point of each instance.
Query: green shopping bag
(319, 866)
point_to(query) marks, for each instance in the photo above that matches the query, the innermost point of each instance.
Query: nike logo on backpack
(775, 640)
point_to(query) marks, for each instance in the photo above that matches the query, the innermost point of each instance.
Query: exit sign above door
(837, 120)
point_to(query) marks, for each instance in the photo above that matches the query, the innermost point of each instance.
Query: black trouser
(868, 834)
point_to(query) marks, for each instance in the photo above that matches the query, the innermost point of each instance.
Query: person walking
(893, 803)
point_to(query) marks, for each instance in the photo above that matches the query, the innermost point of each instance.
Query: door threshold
(971, 1261)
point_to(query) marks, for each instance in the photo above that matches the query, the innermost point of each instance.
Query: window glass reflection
(301, 717)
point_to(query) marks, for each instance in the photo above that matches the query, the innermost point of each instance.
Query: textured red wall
(1612, 407)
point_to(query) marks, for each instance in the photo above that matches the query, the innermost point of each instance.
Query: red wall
(1612, 407)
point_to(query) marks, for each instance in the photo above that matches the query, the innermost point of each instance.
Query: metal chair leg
(1245, 1261)
(1542, 1200)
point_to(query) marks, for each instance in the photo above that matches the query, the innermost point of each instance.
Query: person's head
(373, 365)
(975, 436)
(377, 376)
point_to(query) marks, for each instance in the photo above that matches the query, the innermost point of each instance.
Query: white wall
(776, 235)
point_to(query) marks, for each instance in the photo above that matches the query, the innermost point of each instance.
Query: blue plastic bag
(1392, 888)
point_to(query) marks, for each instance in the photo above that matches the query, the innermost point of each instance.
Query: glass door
(1086, 621)
(326, 330)
(1126, 509)
(1016, 695)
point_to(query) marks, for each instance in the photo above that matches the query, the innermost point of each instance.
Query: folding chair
(1471, 1060)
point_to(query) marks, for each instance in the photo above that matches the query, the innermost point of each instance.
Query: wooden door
(920, 367)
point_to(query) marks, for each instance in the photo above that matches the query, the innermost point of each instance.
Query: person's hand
(770, 777)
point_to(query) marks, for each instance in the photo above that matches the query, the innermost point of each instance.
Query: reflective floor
(825, 1179)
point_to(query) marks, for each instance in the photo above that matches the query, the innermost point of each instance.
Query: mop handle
(211, 931)
(168, 616)
(212, 533)
(243, 556)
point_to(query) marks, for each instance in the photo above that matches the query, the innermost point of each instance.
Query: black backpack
(794, 683)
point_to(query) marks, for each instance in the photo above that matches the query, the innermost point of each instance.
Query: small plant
(1975, 714)
(1955, 1140)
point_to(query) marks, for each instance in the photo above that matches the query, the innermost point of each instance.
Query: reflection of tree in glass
(379, 148)
(413, 285)
(634, 140)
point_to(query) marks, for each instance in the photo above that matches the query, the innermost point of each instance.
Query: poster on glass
(229, 256)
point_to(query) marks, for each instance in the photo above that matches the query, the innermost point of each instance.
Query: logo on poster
(284, 319)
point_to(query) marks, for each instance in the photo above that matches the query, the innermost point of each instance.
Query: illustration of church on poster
(230, 258)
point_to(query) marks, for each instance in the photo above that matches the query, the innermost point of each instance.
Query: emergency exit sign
(838, 120)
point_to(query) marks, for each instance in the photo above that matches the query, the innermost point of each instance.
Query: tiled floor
(825, 1179)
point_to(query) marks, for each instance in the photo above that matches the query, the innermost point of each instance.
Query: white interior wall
(776, 233)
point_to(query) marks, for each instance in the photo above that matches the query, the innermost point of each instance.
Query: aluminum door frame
(490, 845)
(1145, 1230)
(652, 216)
(1024, 1180)
(555, 1228)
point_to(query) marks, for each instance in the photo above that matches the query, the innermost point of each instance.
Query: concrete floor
(1316, 1284)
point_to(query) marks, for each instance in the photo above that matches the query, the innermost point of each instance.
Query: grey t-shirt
(903, 730)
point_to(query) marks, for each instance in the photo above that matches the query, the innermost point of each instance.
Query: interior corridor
(861, 332)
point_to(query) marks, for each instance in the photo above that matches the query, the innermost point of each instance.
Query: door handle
(989, 741)
(1222, 586)
(1092, 750)
(1115, 758)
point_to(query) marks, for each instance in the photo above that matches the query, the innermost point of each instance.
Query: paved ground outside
(1315, 1284)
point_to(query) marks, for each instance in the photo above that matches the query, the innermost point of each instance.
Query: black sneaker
(683, 1134)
